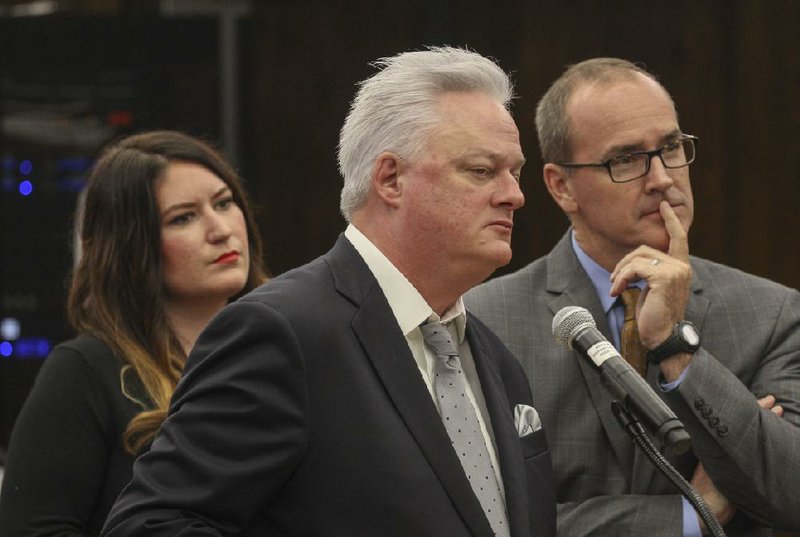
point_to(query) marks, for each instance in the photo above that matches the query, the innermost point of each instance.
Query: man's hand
(663, 301)
(768, 402)
(722, 509)
(720, 506)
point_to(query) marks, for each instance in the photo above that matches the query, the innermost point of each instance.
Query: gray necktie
(461, 422)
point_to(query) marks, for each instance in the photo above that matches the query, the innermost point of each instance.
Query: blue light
(25, 188)
(32, 347)
(25, 167)
(42, 348)
(6, 349)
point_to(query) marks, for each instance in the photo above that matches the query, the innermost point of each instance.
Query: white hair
(397, 108)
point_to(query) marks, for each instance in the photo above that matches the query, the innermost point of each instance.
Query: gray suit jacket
(750, 330)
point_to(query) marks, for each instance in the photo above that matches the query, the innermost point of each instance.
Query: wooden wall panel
(731, 67)
(766, 183)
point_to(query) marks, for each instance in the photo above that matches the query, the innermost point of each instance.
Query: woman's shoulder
(83, 360)
(87, 350)
(87, 373)
(87, 345)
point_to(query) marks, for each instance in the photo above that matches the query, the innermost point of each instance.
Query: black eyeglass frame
(649, 154)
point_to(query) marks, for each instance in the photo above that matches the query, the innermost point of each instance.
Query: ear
(559, 185)
(385, 178)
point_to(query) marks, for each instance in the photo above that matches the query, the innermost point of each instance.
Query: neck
(440, 282)
(599, 254)
(440, 288)
(189, 318)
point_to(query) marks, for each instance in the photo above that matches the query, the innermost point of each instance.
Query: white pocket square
(526, 420)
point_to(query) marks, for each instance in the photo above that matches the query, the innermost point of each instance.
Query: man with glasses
(722, 347)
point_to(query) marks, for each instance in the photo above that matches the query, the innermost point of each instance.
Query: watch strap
(673, 345)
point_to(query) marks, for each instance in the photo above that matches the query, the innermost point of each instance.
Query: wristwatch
(684, 338)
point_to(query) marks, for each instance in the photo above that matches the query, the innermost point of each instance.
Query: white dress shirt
(411, 310)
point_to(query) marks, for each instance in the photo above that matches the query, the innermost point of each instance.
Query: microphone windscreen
(568, 322)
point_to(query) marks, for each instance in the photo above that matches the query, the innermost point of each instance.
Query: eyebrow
(619, 150)
(190, 204)
(491, 155)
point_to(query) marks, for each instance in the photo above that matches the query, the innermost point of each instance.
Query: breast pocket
(533, 444)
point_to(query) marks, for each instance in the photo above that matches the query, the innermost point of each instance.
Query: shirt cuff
(691, 525)
(669, 386)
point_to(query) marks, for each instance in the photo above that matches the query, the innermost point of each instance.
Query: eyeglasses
(632, 166)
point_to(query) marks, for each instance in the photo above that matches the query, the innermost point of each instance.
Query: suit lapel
(570, 286)
(509, 453)
(644, 472)
(387, 350)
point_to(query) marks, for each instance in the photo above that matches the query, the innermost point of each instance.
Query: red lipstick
(227, 257)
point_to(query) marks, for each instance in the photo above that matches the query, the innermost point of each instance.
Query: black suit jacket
(302, 412)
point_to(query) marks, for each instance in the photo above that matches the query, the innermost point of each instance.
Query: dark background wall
(68, 84)
(732, 67)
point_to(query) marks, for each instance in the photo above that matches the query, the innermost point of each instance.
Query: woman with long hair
(167, 238)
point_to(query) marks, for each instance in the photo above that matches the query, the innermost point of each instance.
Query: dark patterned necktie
(461, 422)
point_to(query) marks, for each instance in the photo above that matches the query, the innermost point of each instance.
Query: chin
(658, 240)
(501, 257)
(232, 288)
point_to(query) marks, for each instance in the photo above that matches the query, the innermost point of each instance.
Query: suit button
(713, 421)
(722, 431)
(699, 403)
(706, 412)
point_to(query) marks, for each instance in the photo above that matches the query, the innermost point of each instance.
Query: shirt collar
(600, 277)
(407, 305)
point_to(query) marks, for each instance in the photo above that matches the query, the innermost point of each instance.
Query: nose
(508, 193)
(219, 229)
(658, 178)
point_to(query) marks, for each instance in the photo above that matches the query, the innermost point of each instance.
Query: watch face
(690, 334)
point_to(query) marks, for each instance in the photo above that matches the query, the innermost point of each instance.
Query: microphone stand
(635, 430)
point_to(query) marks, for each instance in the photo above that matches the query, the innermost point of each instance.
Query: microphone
(574, 327)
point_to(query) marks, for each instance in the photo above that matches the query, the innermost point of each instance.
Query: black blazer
(302, 412)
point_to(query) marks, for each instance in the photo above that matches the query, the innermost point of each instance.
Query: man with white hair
(355, 395)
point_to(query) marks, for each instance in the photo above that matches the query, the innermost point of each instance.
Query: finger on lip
(658, 210)
(669, 205)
